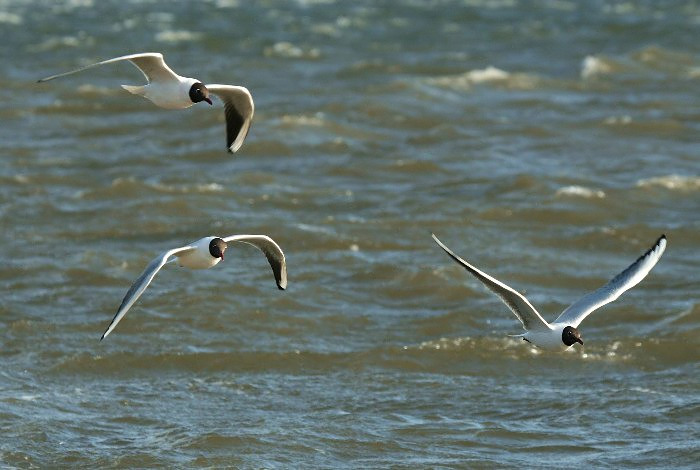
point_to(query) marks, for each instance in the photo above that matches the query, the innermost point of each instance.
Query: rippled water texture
(548, 142)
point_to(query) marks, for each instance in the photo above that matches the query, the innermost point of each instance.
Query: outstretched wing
(630, 277)
(151, 65)
(515, 301)
(272, 252)
(140, 285)
(239, 109)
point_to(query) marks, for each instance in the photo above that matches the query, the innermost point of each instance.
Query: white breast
(199, 258)
(171, 94)
(547, 339)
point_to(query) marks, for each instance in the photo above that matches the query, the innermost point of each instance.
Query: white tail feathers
(136, 90)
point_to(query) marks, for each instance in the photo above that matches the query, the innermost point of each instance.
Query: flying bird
(169, 90)
(562, 333)
(204, 253)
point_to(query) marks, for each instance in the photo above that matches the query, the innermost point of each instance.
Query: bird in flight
(168, 90)
(204, 253)
(562, 333)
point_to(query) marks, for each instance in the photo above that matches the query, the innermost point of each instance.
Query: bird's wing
(151, 65)
(630, 277)
(140, 285)
(239, 109)
(515, 301)
(272, 251)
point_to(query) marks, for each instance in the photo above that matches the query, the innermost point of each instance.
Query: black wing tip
(658, 242)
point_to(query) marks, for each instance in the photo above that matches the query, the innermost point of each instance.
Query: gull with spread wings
(168, 90)
(204, 253)
(562, 333)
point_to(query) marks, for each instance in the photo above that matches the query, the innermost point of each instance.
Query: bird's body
(166, 89)
(173, 94)
(562, 333)
(199, 257)
(204, 253)
(547, 338)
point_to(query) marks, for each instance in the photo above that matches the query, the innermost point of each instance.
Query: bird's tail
(136, 90)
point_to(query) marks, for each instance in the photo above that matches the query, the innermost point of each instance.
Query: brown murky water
(548, 143)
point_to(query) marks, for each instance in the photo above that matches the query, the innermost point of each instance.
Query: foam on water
(177, 36)
(580, 191)
(672, 182)
(376, 124)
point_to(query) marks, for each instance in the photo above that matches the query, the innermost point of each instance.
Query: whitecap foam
(580, 191)
(489, 74)
(173, 37)
(290, 51)
(672, 182)
(315, 120)
(10, 18)
(694, 72)
(592, 66)
(60, 42)
(618, 120)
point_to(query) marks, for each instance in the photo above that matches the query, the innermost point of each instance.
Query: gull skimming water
(205, 253)
(562, 334)
(169, 90)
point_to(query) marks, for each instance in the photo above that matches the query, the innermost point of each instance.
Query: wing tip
(660, 244)
(282, 282)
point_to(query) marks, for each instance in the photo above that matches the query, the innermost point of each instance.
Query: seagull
(169, 90)
(204, 253)
(562, 334)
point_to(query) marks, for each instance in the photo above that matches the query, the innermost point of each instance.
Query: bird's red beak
(208, 101)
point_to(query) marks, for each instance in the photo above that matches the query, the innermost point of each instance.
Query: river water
(548, 142)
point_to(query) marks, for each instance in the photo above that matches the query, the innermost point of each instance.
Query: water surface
(549, 143)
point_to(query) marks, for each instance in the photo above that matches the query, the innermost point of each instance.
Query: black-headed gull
(169, 90)
(201, 254)
(562, 334)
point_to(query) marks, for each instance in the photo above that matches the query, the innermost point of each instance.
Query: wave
(489, 75)
(672, 182)
(129, 185)
(643, 62)
(580, 191)
(288, 50)
(175, 37)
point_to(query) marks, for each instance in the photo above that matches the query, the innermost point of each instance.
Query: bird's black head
(570, 335)
(199, 92)
(217, 247)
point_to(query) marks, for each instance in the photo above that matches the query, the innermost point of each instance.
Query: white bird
(201, 254)
(562, 334)
(169, 90)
